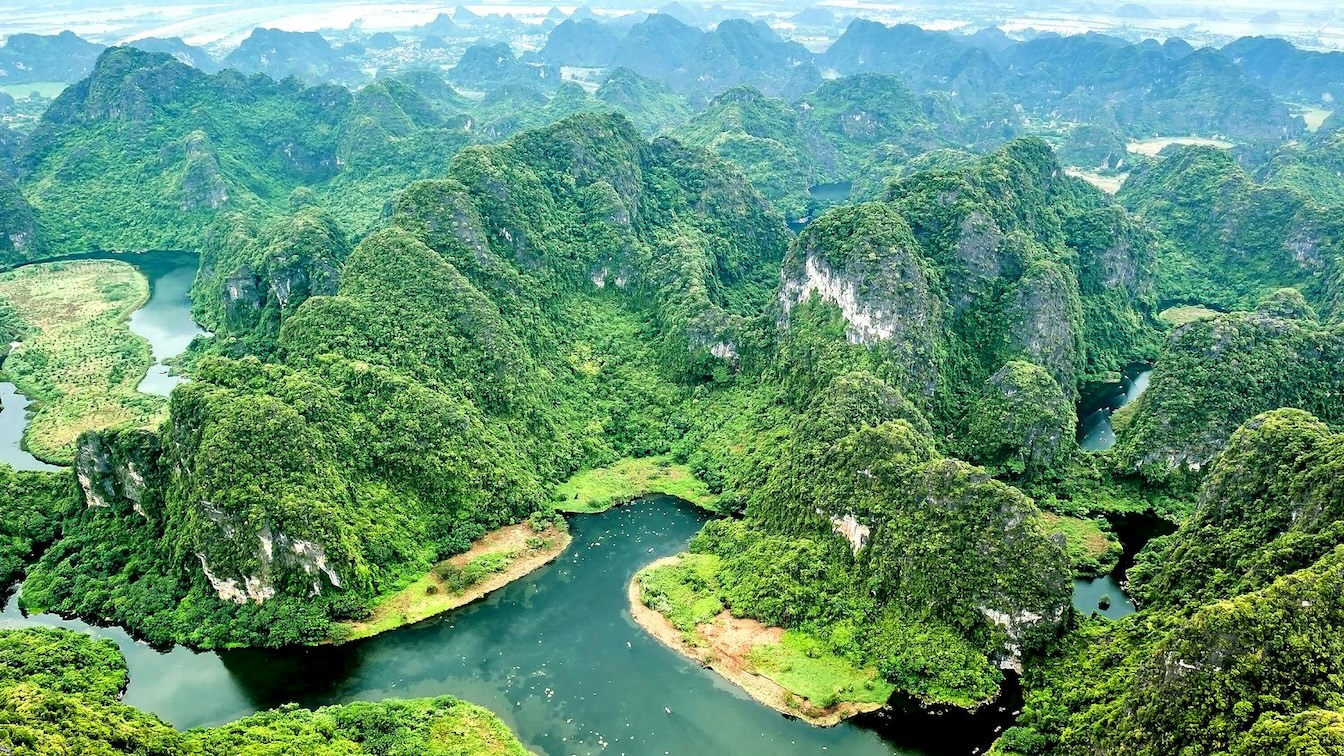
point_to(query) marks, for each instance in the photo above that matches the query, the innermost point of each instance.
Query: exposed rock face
(256, 279)
(251, 546)
(126, 84)
(18, 223)
(979, 251)
(202, 186)
(1045, 316)
(850, 529)
(275, 551)
(864, 260)
(112, 466)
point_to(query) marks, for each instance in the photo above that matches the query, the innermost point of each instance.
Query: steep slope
(486, 66)
(1237, 652)
(20, 239)
(1214, 374)
(545, 305)
(1007, 259)
(1288, 71)
(857, 129)
(1234, 241)
(191, 55)
(30, 58)
(587, 44)
(280, 54)
(700, 64)
(648, 103)
(148, 152)
(136, 157)
(1150, 88)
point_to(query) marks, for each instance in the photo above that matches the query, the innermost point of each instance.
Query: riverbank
(75, 357)
(726, 644)
(602, 488)
(492, 562)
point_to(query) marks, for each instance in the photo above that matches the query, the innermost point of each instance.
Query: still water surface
(555, 654)
(165, 322)
(1099, 402)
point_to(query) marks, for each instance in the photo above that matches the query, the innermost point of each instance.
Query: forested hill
(428, 312)
(1161, 89)
(1233, 240)
(546, 305)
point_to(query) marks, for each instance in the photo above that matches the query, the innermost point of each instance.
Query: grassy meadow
(77, 360)
(599, 489)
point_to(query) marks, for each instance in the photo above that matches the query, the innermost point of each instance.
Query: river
(555, 654)
(1099, 403)
(164, 321)
(1101, 400)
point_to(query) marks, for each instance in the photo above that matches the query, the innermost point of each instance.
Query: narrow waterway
(555, 654)
(164, 321)
(1099, 403)
(14, 418)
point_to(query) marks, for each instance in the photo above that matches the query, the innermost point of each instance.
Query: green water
(165, 320)
(555, 654)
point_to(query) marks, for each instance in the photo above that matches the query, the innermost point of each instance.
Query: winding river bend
(164, 321)
(555, 654)
(1099, 402)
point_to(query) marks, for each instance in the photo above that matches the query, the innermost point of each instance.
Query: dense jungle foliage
(60, 693)
(1234, 650)
(546, 306)
(429, 311)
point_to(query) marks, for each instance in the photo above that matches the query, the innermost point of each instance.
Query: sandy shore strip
(724, 645)
(417, 602)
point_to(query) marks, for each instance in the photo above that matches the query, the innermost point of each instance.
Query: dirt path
(724, 645)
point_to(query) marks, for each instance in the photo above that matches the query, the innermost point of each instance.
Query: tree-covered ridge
(961, 271)
(1234, 649)
(1231, 240)
(545, 306)
(148, 152)
(857, 129)
(34, 504)
(60, 691)
(861, 536)
(1216, 373)
(1146, 88)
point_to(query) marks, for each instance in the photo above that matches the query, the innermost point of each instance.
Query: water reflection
(165, 320)
(556, 655)
(1100, 401)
